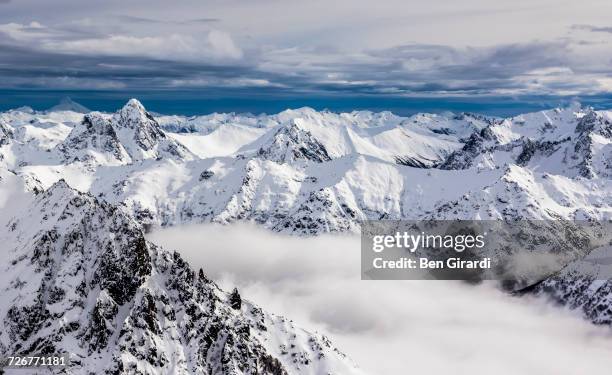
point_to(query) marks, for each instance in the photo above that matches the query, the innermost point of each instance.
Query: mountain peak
(590, 121)
(290, 142)
(67, 104)
(133, 114)
(60, 188)
(135, 103)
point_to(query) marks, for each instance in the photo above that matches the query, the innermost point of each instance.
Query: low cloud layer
(392, 328)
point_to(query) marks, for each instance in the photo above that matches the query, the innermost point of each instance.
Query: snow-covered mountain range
(95, 181)
(308, 172)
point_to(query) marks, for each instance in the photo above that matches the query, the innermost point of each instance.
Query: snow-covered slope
(80, 278)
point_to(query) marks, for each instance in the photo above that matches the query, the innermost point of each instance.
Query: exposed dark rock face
(316, 213)
(205, 175)
(6, 133)
(531, 148)
(590, 125)
(591, 121)
(291, 143)
(477, 144)
(472, 148)
(95, 133)
(235, 300)
(579, 289)
(416, 163)
(147, 132)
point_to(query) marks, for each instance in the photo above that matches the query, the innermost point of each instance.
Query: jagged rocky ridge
(576, 150)
(81, 278)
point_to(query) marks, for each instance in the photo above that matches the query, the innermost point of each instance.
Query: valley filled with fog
(389, 327)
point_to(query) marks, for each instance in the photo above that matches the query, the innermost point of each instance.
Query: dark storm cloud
(434, 68)
(437, 69)
(138, 19)
(591, 28)
(24, 67)
(152, 21)
(505, 62)
(203, 20)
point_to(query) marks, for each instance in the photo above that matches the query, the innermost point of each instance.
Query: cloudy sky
(343, 47)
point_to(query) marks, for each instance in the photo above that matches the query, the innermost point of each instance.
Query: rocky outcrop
(584, 156)
(6, 133)
(475, 145)
(94, 140)
(542, 148)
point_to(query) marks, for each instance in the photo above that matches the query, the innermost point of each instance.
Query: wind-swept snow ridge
(81, 278)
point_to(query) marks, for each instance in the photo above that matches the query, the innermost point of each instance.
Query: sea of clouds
(393, 327)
